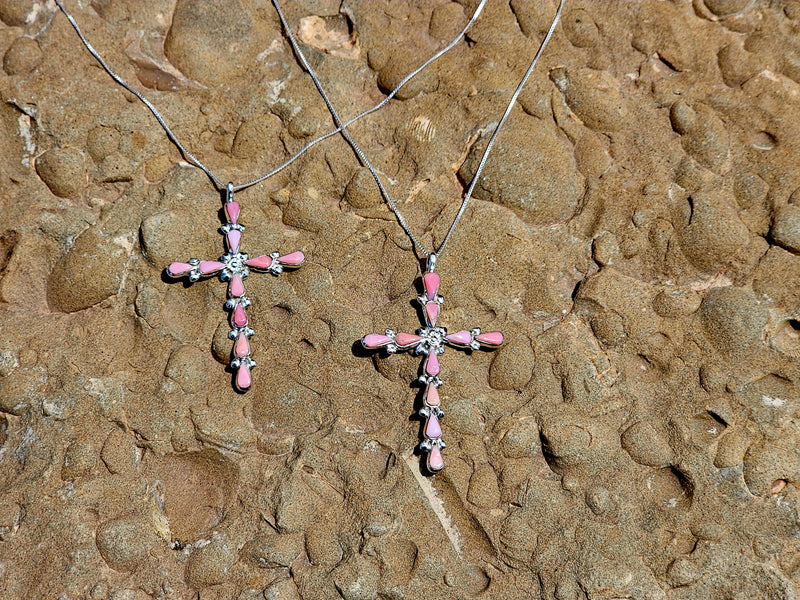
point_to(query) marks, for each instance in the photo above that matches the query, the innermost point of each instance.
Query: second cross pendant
(233, 267)
(430, 341)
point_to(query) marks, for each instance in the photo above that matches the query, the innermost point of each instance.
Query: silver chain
(366, 162)
(191, 158)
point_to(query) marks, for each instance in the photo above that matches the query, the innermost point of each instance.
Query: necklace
(430, 340)
(234, 266)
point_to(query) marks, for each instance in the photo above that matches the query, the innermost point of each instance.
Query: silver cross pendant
(430, 341)
(233, 267)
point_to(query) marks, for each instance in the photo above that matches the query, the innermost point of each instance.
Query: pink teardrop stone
(239, 316)
(243, 379)
(432, 427)
(234, 237)
(432, 364)
(294, 259)
(177, 269)
(242, 347)
(375, 340)
(407, 339)
(232, 210)
(210, 266)
(260, 262)
(435, 460)
(462, 338)
(432, 313)
(236, 287)
(431, 283)
(432, 396)
(491, 338)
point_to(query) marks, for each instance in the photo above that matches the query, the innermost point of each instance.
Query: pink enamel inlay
(239, 316)
(430, 282)
(432, 364)
(178, 268)
(243, 379)
(407, 339)
(435, 460)
(376, 340)
(242, 347)
(432, 313)
(210, 266)
(232, 211)
(260, 262)
(234, 237)
(294, 259)
(492, 338)
(236, 286)
(432, 427)
(462, 338)
(432, 396)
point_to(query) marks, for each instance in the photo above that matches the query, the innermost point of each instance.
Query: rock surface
(635, 236)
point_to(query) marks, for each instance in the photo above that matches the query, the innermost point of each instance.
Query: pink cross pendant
(430, 341)
(233, 267)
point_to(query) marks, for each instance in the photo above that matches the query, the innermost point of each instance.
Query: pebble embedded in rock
(281, 589)
(397, 67)
(14, 12)
(646, 445)
(210, 564)
(550, 197)
(594, 96)
(22, 56)
(362, 192)
(703, 134)
(446, 21)
(598, 499)
(125, 543)
(119, 453)
(580, 29)
(512, 366)
(483, 489)
(102, 141)
(714, 233)
(676, 302)
(272, 551)
(518, 538)
(89, 273)
(187, 366)
(733, 320)
(79, 460)
(258, 136)
(357, 579)
(786, 227)
(521, 440)
(213, 43)
(63, 170)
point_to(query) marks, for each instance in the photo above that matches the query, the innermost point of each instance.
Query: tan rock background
(635, 236)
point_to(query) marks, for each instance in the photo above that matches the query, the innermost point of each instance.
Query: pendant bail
(229, 190)
(431, 262)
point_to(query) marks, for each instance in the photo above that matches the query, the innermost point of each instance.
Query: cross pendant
(233, 267)
(430, 341)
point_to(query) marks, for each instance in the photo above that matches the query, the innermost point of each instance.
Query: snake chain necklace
(430, 340)
(235, 265)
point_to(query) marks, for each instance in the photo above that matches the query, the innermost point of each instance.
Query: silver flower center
(235, 262)
(432, 339)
